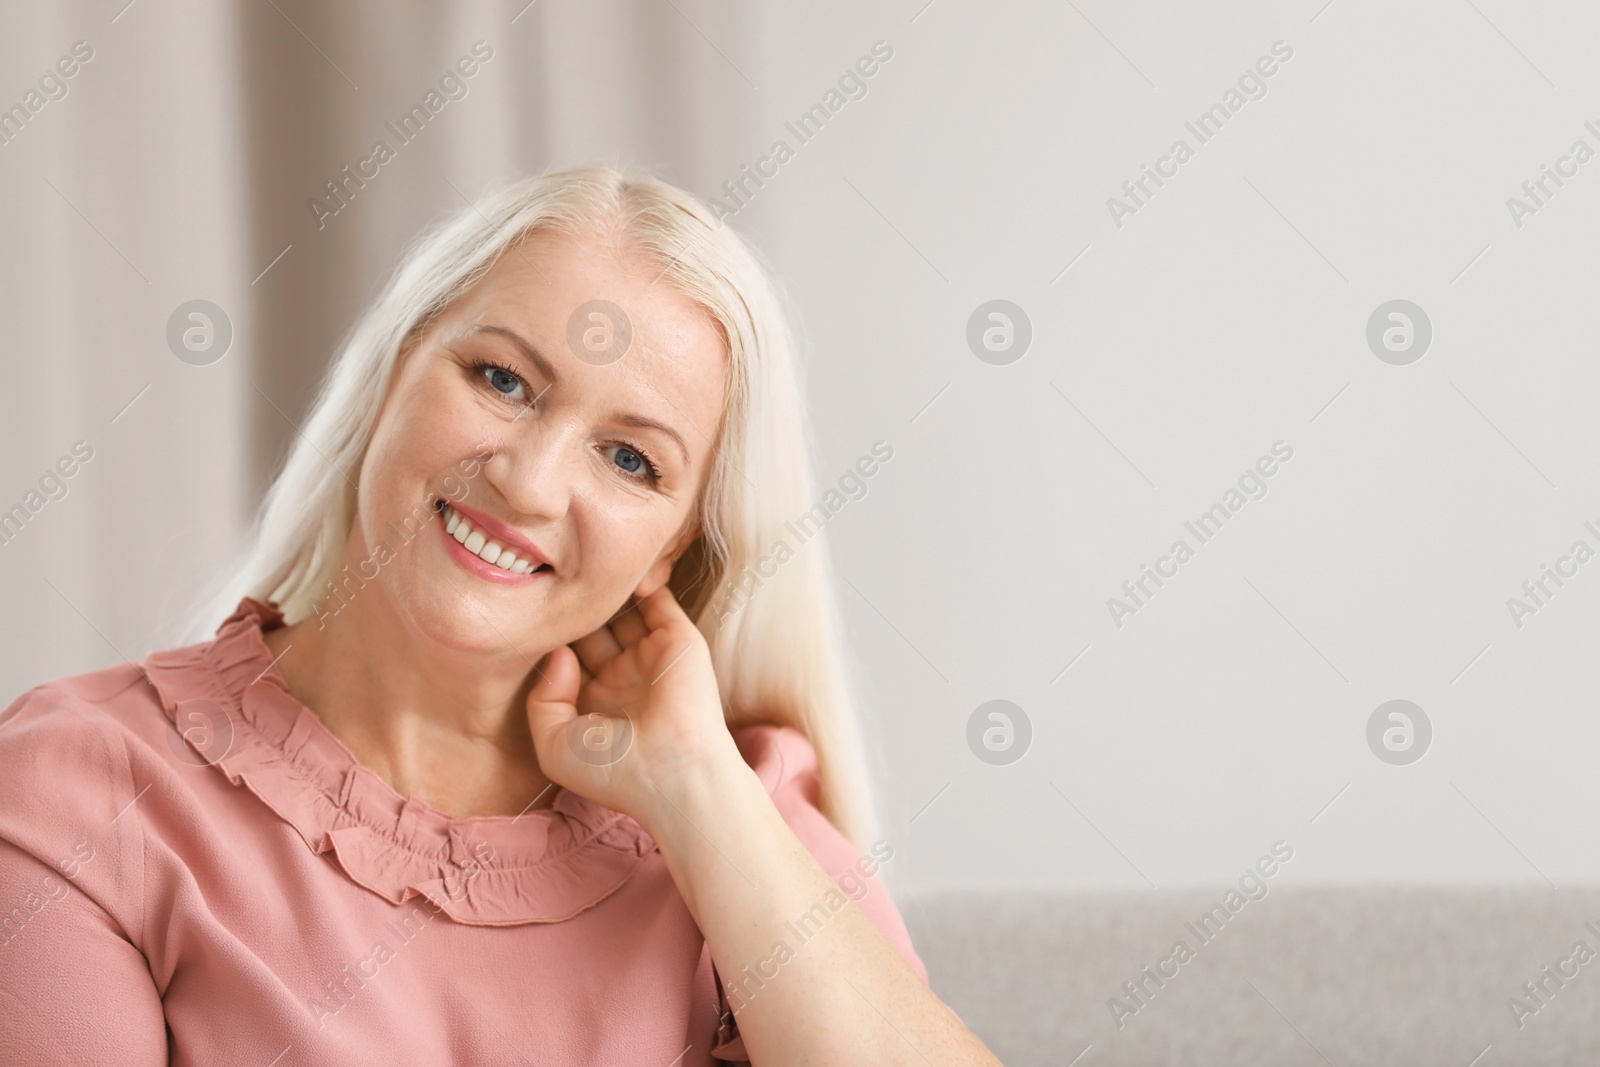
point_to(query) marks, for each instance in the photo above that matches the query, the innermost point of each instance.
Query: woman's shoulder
(160, 715)
(67, 729)
(75, 757)
(780, 755)
(76, 751)
(785, 762)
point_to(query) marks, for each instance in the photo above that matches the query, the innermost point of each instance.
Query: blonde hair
(777, 658)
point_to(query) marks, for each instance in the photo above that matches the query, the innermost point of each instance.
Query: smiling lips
(476, 535)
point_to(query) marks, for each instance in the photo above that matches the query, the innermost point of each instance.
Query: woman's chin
(454, 612)
(486, 622)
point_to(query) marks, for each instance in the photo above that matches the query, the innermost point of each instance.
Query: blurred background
(1368, 268)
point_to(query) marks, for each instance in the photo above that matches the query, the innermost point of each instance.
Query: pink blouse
(194, 870)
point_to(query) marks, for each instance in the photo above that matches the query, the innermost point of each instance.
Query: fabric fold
(540, 866)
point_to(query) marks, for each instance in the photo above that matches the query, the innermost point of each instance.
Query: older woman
(503, 754)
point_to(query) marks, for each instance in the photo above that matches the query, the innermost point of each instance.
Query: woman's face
(593, 465)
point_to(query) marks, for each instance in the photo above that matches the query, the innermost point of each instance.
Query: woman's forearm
(843, 994)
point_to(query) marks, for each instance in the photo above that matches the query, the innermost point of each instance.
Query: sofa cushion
(1318, 976)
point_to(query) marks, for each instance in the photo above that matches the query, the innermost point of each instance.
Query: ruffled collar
(545, 865)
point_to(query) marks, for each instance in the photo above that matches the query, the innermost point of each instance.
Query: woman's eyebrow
(641, 421)
(527, 350)
(549, 372)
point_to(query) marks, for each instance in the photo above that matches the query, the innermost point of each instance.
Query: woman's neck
(439, 725)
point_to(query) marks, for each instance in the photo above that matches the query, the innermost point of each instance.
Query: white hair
(778, 657)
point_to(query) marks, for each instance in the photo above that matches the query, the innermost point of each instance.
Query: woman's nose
(535, 468)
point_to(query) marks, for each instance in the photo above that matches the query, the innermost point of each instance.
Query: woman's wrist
(697, 790)
(703, 820)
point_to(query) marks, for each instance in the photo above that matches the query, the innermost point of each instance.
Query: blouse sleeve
(74, 988)
(786, 763)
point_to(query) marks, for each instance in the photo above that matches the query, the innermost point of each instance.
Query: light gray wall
(1227, 314)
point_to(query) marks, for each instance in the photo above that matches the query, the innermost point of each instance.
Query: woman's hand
(623, 715)
(630, 717)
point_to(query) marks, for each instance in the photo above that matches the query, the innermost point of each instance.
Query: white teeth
(480, 546)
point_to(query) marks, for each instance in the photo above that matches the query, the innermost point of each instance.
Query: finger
(661, 611)
(594, 649)
(629, 627)
(552, 701)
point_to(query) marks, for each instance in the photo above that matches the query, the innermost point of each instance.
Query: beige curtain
(179, 162)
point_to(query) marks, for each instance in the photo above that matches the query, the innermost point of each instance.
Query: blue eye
(503, 381)
(635, 464)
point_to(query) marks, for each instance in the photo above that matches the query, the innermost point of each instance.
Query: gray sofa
(1324, 977)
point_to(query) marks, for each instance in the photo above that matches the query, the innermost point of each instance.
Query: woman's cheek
(614, 563)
